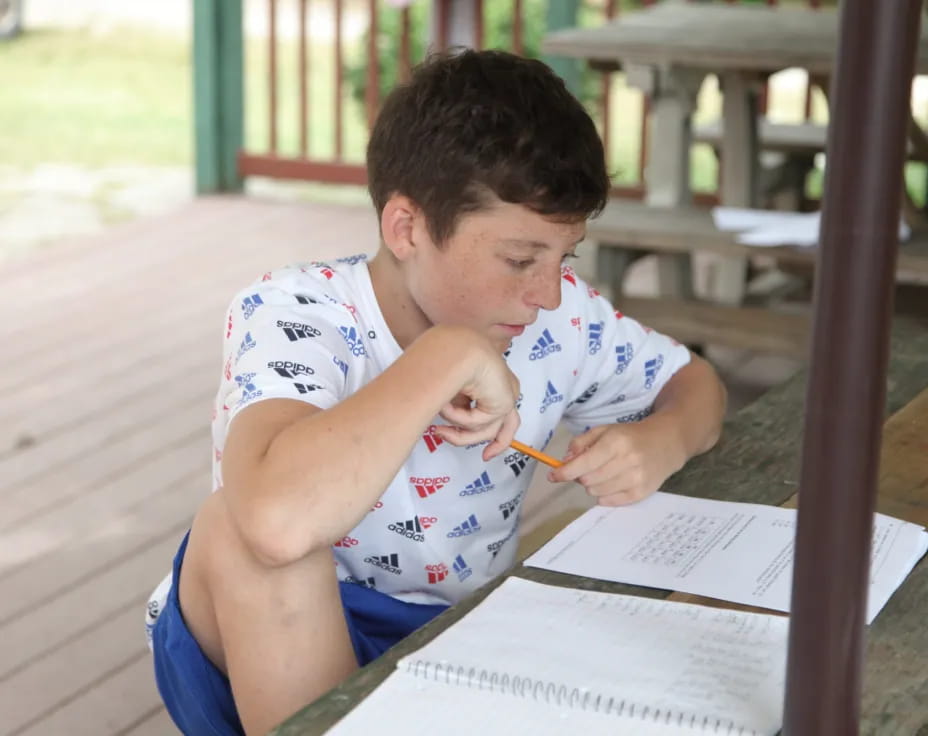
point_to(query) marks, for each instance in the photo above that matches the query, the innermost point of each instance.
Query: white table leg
(673, 95)
(726, 281)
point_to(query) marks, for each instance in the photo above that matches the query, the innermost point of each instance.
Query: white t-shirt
(447, 523)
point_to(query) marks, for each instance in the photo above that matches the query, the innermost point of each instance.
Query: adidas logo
(306, 299)
(461, 568)
(247, 344)
(249, 390)
(426, 487)
(481, 485)
(468, 526)
(651, 369)
(495, 547)
(547, 439)
(636, 417)
(623, 356)
(297, 330)
(351, 260)
(594, 340)
(390, 563)
(250, 304)
(544, 346)
(305, 388)
(432, 440)
(347, 542)
(567, 273)
(551, 397)
(354, 340)
(289, 369)
(367, 582)
(586, 395)
(509, 507)
(410, 529)
(342, 365)
(437, 573)
(516, 462)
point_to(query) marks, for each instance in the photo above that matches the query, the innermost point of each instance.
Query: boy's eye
(568, 256)
(520, 264)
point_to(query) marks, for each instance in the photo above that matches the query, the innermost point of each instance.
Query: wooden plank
(51, 625)
(97, 391)
(111, 706)
(86, 514)
(183, 423)
(72, 563)
(152, 401)
(158, 723)
(714, 37)
(697, 323)
(55, 370)
(53, 681)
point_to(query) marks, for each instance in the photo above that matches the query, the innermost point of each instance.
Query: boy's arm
(297, 478)
(623, 463)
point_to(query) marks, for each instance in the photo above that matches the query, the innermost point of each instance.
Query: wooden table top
(714, 37)
(757, 460)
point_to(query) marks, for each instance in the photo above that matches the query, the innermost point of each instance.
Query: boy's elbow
(273, 537)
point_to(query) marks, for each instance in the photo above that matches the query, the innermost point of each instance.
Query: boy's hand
(484, 409)
(620, 464)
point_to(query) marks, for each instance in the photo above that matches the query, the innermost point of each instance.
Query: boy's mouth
(513, 330)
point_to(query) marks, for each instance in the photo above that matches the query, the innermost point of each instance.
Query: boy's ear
(397, 224)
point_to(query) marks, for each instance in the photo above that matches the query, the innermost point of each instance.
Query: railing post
(217, 94)
(563, 14)
(460, 20)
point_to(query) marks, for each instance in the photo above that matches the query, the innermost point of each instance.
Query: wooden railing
(299, 145)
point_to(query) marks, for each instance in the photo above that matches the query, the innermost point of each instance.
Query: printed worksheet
(733, 551)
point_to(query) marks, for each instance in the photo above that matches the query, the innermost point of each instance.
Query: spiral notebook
(538, 659)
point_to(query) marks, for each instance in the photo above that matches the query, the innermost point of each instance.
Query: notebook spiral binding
(570, 697)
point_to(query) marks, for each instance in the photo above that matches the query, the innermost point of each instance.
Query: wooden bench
(757, 461)
(793, 139)
(627, 229)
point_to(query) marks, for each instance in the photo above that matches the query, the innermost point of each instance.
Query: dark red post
(846, 392)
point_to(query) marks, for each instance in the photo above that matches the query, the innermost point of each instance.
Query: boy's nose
(546, 292)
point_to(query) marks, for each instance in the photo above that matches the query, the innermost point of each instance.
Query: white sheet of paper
(732, 551)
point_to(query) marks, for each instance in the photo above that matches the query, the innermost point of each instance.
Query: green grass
(93, 100)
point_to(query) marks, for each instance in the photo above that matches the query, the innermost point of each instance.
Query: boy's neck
(401, 313)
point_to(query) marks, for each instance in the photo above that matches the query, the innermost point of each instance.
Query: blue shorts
(198, 696)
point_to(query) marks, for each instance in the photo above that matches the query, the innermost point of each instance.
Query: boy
(362, 471)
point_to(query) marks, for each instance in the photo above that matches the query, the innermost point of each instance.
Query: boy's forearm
(322, 474)
(691, 407)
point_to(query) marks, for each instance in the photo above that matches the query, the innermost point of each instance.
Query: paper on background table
(770, 228)
(738, 552)
(715, 665)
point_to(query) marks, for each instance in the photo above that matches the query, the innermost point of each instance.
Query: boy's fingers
(504, 436)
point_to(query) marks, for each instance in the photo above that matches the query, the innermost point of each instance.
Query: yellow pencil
(532, 452)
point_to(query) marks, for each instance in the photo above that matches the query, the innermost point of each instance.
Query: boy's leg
(279, 633)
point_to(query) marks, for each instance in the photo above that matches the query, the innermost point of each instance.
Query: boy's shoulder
(314, 283)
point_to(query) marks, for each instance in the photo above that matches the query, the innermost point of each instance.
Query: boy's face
(499, 268)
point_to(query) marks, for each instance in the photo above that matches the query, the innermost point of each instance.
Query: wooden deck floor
(111, 350)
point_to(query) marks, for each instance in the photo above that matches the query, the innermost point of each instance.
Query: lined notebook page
(409, 706)
(651, 657)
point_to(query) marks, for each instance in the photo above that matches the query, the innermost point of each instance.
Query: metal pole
(846, 392)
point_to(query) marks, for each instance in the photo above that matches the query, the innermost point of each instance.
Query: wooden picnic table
(667, 50)
(757, 460)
